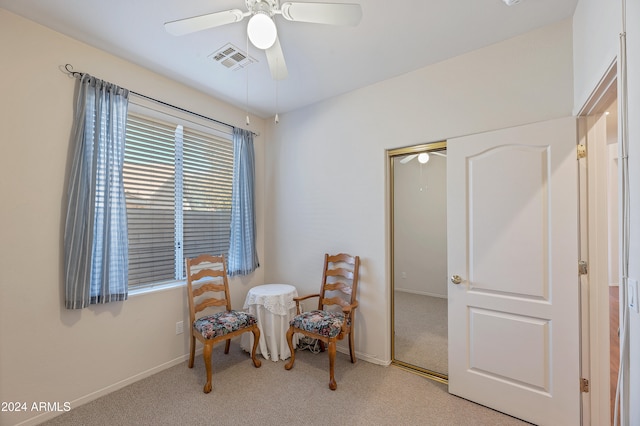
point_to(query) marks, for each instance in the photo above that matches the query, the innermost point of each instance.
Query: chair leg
(256, 338)
(206, 354)
(352, 352)
(192, 350)
(289, 365)
(227, 344)
(332, 359)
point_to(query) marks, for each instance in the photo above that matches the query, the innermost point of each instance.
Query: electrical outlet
(632, 295)
(179, 327)
(404, 275)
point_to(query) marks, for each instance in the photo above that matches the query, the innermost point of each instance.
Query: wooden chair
(208, 287)
(335, 315)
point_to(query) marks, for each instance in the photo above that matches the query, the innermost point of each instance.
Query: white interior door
(513, 240)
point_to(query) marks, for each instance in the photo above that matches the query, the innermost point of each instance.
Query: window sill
(157, 288)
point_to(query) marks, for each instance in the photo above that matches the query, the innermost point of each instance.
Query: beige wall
(48, 353)
(325, 169)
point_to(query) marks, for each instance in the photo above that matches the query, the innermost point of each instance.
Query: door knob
(456, 279)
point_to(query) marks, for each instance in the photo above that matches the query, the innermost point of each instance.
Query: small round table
(274, 307)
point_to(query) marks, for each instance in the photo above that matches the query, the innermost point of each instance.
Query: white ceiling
(393, 38)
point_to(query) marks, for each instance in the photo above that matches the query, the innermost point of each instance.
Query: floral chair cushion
(324, 323)
(223, 323)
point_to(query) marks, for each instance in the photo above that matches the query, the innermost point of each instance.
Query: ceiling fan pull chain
(276, 118)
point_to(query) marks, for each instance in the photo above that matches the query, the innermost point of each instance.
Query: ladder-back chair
(208, 288)
(335, 316)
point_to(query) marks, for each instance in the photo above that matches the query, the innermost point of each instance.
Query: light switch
(632, 295)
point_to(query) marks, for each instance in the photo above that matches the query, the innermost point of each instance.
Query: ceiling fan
(261, 28)
(422, 157)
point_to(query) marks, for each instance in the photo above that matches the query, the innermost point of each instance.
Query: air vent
(232, 57)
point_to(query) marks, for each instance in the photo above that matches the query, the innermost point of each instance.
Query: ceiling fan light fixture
(262, 30)
(423, 158)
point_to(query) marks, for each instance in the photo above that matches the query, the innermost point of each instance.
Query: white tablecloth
(274, 307)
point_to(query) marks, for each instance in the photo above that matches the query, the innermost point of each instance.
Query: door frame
(595, 343)
(391, 155)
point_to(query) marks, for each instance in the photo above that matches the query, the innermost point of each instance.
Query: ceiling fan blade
(323, 13)
(203, 22)
(441, 154)
(275, 59)
(408, 158)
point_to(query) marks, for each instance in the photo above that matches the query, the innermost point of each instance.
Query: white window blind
(208, 176)
(178, 183)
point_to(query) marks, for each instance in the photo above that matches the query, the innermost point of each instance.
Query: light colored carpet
(367, 394)
(421, 331)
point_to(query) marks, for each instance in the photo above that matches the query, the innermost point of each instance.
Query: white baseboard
(422, 293)
(364, 357)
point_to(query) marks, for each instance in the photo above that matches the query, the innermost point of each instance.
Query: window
(178, 182)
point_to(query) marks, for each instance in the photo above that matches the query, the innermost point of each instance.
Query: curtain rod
(77, 74)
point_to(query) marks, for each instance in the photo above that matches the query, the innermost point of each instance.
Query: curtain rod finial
(68, 68)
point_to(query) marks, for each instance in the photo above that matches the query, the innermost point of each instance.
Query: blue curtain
(95, 238)
(243, 257)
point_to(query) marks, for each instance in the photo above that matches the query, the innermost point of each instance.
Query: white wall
(48, 353)
(633, 54)
(326, 175)
(597, 25)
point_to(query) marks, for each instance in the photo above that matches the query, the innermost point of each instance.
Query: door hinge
(584, 385)
(582, 267)
(582, 151)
